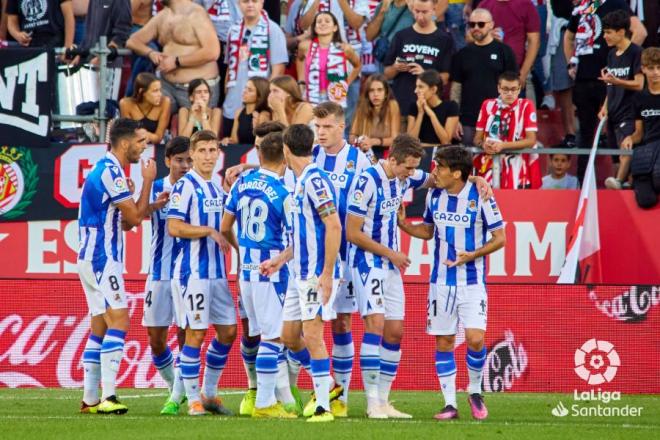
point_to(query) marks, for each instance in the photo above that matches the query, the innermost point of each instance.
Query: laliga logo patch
(357, 196)
(120, 184)
(596, 362)
(175, 200)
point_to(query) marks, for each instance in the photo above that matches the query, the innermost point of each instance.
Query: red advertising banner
(538, 227)
(540, 338)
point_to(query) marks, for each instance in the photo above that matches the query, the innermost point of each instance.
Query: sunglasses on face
(479, 24)
(246, 37)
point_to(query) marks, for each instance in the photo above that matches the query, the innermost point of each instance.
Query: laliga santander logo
(596, 362)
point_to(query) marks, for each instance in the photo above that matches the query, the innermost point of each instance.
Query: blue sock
(475, 363)
(343, 351)
(216, 358)
(445, 367)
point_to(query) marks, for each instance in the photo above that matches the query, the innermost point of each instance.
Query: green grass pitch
(53, 413)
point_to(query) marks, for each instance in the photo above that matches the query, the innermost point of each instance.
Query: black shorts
(616, 133)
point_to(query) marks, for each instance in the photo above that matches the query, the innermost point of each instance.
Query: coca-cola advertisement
(540, 338)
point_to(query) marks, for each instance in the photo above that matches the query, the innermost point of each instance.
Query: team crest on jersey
(18, 181)
(350, 165)
(472, 205)
(198, 317)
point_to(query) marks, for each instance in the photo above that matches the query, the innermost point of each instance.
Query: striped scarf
(336, 74)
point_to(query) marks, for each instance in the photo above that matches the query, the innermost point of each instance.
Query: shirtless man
(141, 11)
(190, 49)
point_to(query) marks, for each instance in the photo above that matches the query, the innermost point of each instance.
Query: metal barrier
(101, 50)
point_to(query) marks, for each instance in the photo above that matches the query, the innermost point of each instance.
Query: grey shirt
(278, 55)
(566, 182)
(111, 18)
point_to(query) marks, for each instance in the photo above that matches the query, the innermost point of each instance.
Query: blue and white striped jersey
(99, 219)
(377, 198)
(462, 223)
(261, 203)
(342, 169)
(313, 192)
(198, 202)
(162, 244)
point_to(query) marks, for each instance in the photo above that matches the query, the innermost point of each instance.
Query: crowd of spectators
(445, 71)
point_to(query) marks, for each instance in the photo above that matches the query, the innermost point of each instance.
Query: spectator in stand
(223, 13)
(508, 122)
(519, 22)
(256, 47)
(351, 15)
(378, 118)
(47, 23)
(561, 84)
(141, 13)
(200, 115)
(254, 111)
(431, 119)
(323, 62)
(286, 103)
(79, 13)
(586, 50)
(415, 49)
(559, 177)
(391, 16)
(475, 70)
(623, 76)
(148, 106)
(540, 81)
(646, 105)
(455, 20)
(189, 53)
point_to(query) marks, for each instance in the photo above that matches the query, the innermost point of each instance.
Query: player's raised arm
(419, 230)
(134, 212)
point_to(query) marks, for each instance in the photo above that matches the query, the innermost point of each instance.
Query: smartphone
(401, 60)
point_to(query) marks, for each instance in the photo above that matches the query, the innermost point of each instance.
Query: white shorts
(303, 301)
(158, 307)
(264, 304)
(380, 291)
(345, 301)
(449, 304)
(203, 302)
(242, 314)
(105, 289)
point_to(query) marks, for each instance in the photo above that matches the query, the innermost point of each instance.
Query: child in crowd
(559, 177)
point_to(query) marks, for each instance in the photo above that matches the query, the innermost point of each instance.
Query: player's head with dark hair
(264, 128)
(456, 160)
(508, 86)
(128, 139)
(330, 124)
(177, 156)
(298, 140)
(616, 27)
(406, 153)
(177, 145)
(428, 83)
(271, 148)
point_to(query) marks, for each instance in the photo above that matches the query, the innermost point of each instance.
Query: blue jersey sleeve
(114, 183)
(320, 193)
(418, 179)
(232, 199)
(180, 200)
(491, 215)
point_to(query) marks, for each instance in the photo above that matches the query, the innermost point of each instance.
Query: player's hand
(325, 287)
(161, 201)
(462, 257)
(232, 173)
(219, 239)
(483, 187)
(131, 185)
(401, 215)
(415, 68)
(627, 143)
(148, 170)
(400, 260)
(269, 267)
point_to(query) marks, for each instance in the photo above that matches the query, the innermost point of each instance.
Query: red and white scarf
(219, 11)
(588, 25)
(256, 49)
(336, 74)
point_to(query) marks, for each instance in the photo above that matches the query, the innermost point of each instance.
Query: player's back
(259, 201)
(163, 250)
(461, 224)
(99, 219)
(313, 194)
(200, 203)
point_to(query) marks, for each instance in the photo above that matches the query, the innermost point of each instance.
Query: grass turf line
(53, 413)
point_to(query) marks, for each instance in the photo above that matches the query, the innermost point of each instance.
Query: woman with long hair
(148, 106)
(254, 111)
(286, 103)
(323, 62)
(199, 116)
(431, 119)
(378, 118)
